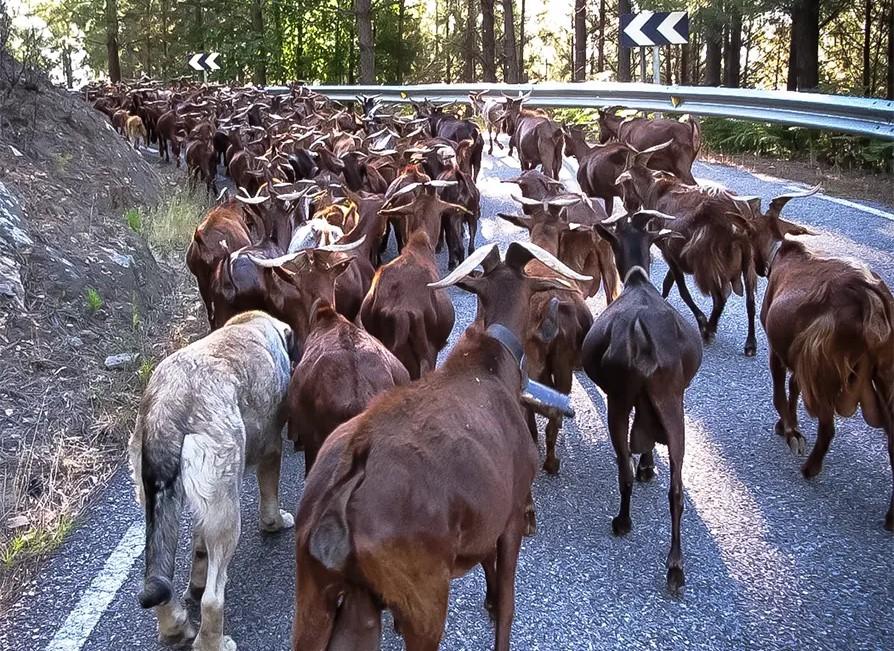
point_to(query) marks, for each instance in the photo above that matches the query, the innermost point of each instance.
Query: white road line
(849, 204)
(102, 590)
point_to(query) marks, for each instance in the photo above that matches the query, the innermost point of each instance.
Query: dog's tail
(158, 473)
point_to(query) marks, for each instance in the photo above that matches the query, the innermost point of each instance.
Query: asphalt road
(773, 561)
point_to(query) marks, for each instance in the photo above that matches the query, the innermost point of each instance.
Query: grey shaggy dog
(211, 410)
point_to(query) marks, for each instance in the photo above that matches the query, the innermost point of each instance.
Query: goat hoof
(530, 523)
(675, 579)
(646, 473)
(621, 526)
(779, 428)
(551, 465)
(181, 634)
(795, 442)
(889, 519)
(750, 349)
(811, 469)
(491, 609)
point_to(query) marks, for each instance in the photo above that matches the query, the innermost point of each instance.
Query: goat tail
(155, 462)
(822, 372)
(636, 350)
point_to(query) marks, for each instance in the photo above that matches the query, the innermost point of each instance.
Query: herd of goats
(417, 473)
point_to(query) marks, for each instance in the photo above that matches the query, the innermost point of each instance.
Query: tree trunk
(488, 44)
(579, 72)
(600, 38)
(468, 42)
(792, 80)
(684, 64)
(867, 49)
(805, 38)
(669, 65)
(713, 57)
(889, 86)
(623, 52)
(112, 40)
(511, 65)
(522, 73)
(363, 12)
(67, 67)
(733, 52)
(260, 55)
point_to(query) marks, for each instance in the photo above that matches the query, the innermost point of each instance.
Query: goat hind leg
(671, 414)
(785, 405)
(668, 284)
(719, 302)
(618, 425)
(508, 547)
(700, 318)
(824, 434)
(553, 425)
(489, 565)
(645, 467)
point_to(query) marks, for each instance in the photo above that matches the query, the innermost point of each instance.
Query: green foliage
(134, 220)
(34, 542)
(93, 299)
(147, 366)
(765, 139)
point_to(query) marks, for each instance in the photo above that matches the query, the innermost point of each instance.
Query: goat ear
(338, 268)
(607, 233)
(549, 325)
(790, 228)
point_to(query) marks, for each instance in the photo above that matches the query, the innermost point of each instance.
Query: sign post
(654, 29)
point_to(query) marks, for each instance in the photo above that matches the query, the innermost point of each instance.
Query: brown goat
(643, 133)
(135, 131)
(169, 130)
(643, 354)
(431, 480)
(598, 165)
(714, 244)
(222, 231)
(400, 310)
(201, 163)
(356, 365)
(539, 140)
(830, 323)
(559, 321)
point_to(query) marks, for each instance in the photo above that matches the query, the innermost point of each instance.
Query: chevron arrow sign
(648, 28)
(204, 61)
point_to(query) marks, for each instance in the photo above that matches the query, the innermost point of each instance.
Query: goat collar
(506, 337)
(539, 397)
(774, 251)
(633, 270)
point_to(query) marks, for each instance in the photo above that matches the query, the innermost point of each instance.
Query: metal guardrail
(858, 115)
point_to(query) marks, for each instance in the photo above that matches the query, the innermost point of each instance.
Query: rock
(122, 260)
(75, 342)
(121, 360)
(18, 522)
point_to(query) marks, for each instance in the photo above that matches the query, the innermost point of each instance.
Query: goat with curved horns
(432, 479)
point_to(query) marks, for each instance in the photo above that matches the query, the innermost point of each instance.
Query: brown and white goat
(599, 166)
(397, 503)
(643, 354)
(830, 323)
(714, 243)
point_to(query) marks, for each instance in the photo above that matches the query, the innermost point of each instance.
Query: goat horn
(623, 176)
(615, 218)
(548, 259)
(563, 201)
(270, 263)
(252, 200)
(465, 268)
(343, 247)
(440, 183)
(526, 201)
(778, 203)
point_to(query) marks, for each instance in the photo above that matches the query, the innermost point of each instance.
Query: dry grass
(169, 227)
(53, 458)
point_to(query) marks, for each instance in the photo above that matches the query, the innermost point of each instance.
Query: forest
(841, 46)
